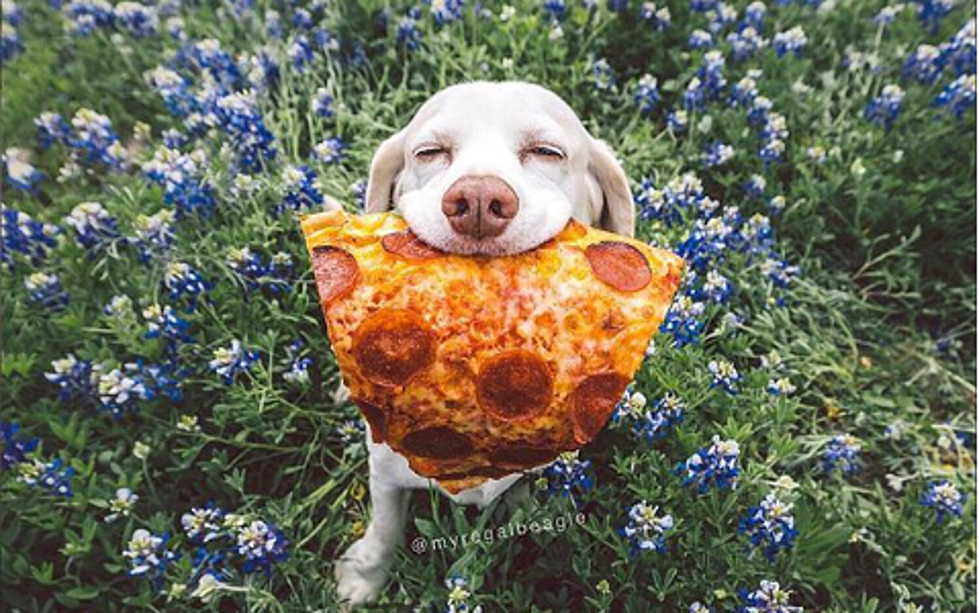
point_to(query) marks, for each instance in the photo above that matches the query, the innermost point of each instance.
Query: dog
(491, 168)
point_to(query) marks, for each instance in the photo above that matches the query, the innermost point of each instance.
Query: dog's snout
(480, 206)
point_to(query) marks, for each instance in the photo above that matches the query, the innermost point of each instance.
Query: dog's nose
(480, 206)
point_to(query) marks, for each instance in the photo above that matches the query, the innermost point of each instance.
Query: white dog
(491, 168)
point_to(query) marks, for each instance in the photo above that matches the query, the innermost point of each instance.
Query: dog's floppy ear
(387, 162)
(618, 211)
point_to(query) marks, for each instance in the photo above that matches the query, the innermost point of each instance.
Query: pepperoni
(409, 246)
(593, 401)
(619, 265)
(514, 384)
(376, 416)
(336, 272)
(522, 456)
(392, 345)
(438, 443)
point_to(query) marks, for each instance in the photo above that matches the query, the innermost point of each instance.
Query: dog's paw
(360, 574)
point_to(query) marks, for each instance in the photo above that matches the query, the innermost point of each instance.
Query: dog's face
(498, 168)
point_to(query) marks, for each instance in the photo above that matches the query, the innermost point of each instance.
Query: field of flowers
(802, 436)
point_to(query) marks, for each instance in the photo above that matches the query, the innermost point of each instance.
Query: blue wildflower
(779, 272)
(724, 375)
(717, 465)
(323, 103)
(14, 450)
(959, 96)
(647, 529)
(555, 9)
(302, 19)
(298, 368)
(183, 281)
(48, 476)
(702, 6)
(84, 16)
(945, 498)
(683, 321)
(743, 93)
(888, 14)
(655, 423)
(658, 17)
(842, 453)
(760, 108)
(148, 555)
(19, 171)
(721, 17)
(45, 290)
(754, 187)
(240, 119)
(754, 16)
(699, 39)
(925, 64)
(95, 229)
(300, 53)
(358, 189)
(182, 178)
(174, 89)
(203, 525)
(676, 122)
(263, 545)
(780, 387)
(94, 140)
(140, 20)
(931, 12)
(884, 109)
(767, 598)
(445, 11)
(164, 323)
(770, 526)
(229, 361)
(459, 595)
(646, 94)
(716, 154)
(21, 234)
(791, 41)
(120, 391)
(154, 234)
(301, 191)
(330, 151)
(602, 76)
(408, 35)
(960, 52)
(74, 378)
(52, 129)
(11, 44)
(568, 476)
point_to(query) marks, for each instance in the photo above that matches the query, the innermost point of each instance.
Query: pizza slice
(478, 367)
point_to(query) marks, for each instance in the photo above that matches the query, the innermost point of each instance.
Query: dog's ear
(618, 212)
(386, 164)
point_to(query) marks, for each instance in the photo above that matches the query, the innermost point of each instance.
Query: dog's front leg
(362, 570)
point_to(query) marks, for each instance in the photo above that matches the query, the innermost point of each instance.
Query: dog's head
(498, 168)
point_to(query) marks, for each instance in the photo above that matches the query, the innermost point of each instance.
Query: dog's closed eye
(432, 152)
(544, 152)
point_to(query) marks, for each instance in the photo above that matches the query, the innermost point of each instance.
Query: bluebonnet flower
(163, 322)
(298, 369)
(721, 17)
(717, 466)
(760, 108)
(257, 274)
(647, 529)
(300, 53)
(183, 281)
(754, 187)
(676, 122)
(683, 321)
(655, 203)
(888, 14)
(767, 598)
(175, 28)
(945, 498)
(724, 375)
(646, 94)
(842, 453)
(617, 6)
(14, 451)
(95, 229)
(716, 154)
(444, 11)
(73, 377)
(817, 154)
(154, 234)
(716, 287)
(11, 44)
(302, 19)
(240, 119)
(330, 151)
(700, 39)
(555, 9)
(925, 64)
(21, 234)
(776, 204)
(140, 20)
(174, 139)
(262, 70)
(84, 16)
(148, 555)
(659, 18)
(182, 178)
(772, 151)
(754, 16)
(229, 361)
(95, 141)
(301, 191)
(770, 526)
(203, 525)
(262, 545)
(358, 189)
(958, 96)
(790, 41)
(568, 476)
(780, 387)
(702, 6)
(655, 423)
(121, 505)
(323, 103)
(48, 476)
(884, 109)
(174, 89)
(602, 76)
(408, 35)
(208, 56)
(165, 379)
(351, 433)
(459, 595)
(52, 129)
(960, 52)
(45, 290)
(745, 43)
(19, 170)
(779, 272)
(120, 392)
(931, 12)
